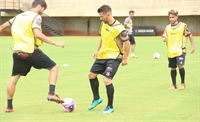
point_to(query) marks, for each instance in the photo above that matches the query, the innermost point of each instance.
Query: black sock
(52, 89)
(9, 101)
(182, 74)
(173, 76)
(94, 83)
(110, 94)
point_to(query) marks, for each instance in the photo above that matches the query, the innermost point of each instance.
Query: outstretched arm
(36, 26)
(38, 34)
(4, 26)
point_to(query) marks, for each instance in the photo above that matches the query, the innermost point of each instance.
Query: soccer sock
(182, 74)
(110, 94)
(9, 102)
(173, 76)
(52, 89)
(94, 83)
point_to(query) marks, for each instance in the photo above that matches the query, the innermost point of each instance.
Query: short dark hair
(35, 3)
(104, 9)
(131, 11)
(173, 12)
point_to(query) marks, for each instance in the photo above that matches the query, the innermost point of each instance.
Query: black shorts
(106, 67)
(37, 60)
(179, 60)
(131, 39)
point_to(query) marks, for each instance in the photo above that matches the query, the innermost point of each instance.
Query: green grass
(141, 93)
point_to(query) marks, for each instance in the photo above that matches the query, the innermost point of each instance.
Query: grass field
(141, 93)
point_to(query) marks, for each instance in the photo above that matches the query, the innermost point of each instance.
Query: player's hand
(61, 44)
(192, 49)
(95, 54)
(124, 61)
(164, 38)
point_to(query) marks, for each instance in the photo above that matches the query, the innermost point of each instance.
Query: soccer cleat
(181, 87)
(108, 110)
(54, 98)
(95, 103)
(133, 55)
(8, 110)
(172, 87)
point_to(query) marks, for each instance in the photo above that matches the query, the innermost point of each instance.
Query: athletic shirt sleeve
(123, 36)
(187, 31)
(37, 22)
(126, 21)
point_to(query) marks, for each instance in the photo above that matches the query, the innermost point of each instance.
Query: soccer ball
(156, 55)
(69, 105)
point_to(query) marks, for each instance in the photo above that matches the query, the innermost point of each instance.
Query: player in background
(128, 24)
(112, 50)
(27, 36)
(175, 36)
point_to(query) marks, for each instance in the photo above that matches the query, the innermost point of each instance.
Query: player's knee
(54, 68)
(91, 75)
(180, 67)
(107, 81)
(173, 68)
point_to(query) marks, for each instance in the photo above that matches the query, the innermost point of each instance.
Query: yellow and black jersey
(176, 38)
(112, 37)
(22, 31)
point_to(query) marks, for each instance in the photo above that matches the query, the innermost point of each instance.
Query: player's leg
(133, 44)
(39, 60)
(110, 95)
(97, 68)
(111, 70)
(173, 72)
(20, 68)
(10, 92)
(180, 63)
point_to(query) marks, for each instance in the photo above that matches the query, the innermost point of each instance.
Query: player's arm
(38, 34)
(123, 36)
(192, 43)
(189, 34)
(97, 51)
(6, 24)
(164, 35)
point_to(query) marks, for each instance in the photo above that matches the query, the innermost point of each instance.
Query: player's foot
(8, 110)
(54, 98)
(172, 87)
(181, 87)
(133, 55)
(95, 103)
(108, 110)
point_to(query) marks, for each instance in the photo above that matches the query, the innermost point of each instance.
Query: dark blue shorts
(179, 60)
(131, 39)
(106, 67)
(37, 60)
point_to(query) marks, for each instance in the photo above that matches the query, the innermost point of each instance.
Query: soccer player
(175, 36)
(128, 24)
(26, 33)
(112, 50)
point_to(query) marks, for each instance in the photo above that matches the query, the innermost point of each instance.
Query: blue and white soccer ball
(69, 105)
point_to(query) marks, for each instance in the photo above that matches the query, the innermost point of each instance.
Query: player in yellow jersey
(175, 36)
(112, 50)
(26, 33)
